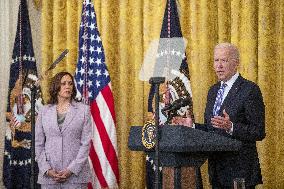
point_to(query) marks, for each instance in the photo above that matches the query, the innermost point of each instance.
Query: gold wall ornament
(149, 134)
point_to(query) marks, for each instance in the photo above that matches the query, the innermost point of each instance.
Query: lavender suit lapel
(69, 116)
(52, 117)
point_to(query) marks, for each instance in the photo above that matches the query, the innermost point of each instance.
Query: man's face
(224, 66)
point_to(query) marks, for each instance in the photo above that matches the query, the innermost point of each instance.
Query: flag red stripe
(107, 94)
(106, 142)
(97, 166)
(90, 186)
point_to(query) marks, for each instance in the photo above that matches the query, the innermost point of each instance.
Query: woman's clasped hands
(59, 176)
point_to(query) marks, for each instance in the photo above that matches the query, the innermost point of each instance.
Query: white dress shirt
(229, 83)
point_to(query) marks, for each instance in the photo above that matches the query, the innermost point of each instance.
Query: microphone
(52, 66)
(177, 104)
(61, 56)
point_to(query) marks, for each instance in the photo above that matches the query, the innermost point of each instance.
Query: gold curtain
(127, 28)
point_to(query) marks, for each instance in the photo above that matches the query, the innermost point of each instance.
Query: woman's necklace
(62, 108)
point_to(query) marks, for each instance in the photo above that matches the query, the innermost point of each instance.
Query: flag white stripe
(107, 120)
(95, 181)
(106, 168)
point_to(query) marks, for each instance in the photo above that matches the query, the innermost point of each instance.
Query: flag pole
(33, 173)
(156, 81)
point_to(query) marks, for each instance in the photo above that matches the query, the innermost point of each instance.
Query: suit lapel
(69, 116)
(232, 93)
(52, 114)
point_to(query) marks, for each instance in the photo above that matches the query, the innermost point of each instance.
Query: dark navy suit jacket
(244, 104)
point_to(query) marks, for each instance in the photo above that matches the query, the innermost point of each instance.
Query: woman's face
(66, 87)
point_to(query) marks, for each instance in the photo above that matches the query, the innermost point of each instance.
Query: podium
(182, 146)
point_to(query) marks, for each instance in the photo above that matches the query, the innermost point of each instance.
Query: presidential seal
(149, 134)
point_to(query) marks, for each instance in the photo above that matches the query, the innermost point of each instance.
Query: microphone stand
(156, 81)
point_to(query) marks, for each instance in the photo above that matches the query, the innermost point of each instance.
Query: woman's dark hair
(56, 85)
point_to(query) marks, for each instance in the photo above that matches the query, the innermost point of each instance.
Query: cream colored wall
(8, 25)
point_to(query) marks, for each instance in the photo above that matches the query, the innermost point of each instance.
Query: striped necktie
(219, 99)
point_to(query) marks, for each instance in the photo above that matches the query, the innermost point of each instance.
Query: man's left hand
(222, 122)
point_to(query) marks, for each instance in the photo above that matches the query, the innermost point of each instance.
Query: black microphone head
(185, 101)
(167, 107)
(177, 104)
(61, 56)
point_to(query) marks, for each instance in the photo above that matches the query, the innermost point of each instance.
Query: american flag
(94, 87)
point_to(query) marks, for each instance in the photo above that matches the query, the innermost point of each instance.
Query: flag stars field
(98, 73)
(99, 50)
(91, 72)
(92, 48)
(92, 38)
(98, 61)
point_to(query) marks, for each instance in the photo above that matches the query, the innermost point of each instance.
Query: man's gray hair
(234, 51)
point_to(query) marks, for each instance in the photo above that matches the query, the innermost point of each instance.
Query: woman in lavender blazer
(63, 132)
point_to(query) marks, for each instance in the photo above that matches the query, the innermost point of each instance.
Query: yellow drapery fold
(128, 27)
(37, 4)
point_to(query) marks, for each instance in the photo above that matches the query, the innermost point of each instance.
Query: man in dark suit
(234, 109)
